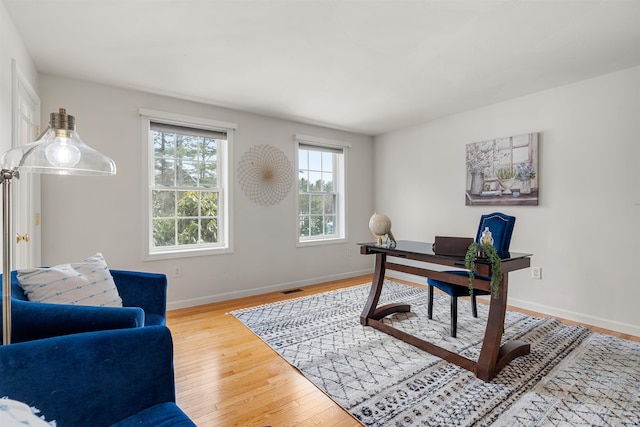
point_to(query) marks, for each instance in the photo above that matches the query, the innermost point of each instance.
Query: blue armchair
(116, 378)
(144, 300)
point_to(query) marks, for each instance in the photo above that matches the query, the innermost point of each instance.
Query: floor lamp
(58, 151)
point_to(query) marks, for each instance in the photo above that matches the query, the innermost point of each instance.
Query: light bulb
(62, 154)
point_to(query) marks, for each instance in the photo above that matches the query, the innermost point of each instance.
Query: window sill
(321, 242)
(186, 253)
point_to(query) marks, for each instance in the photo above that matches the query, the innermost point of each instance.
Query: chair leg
(430, 304)
(474, 305)
(454, 316)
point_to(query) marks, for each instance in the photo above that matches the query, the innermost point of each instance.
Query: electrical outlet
(350, 251)
(177, 271)
(536, 273)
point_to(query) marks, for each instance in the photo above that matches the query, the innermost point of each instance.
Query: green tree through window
(320, 189)
(185, 195)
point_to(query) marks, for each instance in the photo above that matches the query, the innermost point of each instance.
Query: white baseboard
(583, 318)
(406, 276)
(192, 302)
(586, 319)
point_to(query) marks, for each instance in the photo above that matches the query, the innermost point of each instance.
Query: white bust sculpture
(380, 226)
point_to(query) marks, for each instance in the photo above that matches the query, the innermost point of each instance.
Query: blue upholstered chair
(108, 378)
(501, 227)
(144, 300)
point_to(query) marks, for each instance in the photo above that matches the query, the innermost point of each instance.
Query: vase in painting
(477, 182)
(506, 185)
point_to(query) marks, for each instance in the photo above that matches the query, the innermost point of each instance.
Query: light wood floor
(226, 376)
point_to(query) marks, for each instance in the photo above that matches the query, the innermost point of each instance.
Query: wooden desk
(493, 357)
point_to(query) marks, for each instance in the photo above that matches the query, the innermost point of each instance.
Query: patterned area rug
(572, 377)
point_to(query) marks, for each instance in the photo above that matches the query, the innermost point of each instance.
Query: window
(513, 151)
(321, 190)
(188, 199)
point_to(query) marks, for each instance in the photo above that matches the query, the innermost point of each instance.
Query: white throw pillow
(18, 414)
(84, 283)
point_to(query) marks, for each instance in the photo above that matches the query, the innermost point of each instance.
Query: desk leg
(493, 357)
(371, 310)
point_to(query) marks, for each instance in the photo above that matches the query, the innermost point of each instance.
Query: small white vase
(525, 188)
(506, 184)
(477, 182)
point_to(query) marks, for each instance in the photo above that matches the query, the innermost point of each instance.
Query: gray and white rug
(572, 377)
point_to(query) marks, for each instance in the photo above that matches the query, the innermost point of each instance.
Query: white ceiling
(364, 66)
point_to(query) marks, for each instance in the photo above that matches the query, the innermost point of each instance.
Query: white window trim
(224, 170)
(342, 202)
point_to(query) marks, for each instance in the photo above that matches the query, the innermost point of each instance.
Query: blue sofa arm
(120, 377)
(32, 321)
(145, 290)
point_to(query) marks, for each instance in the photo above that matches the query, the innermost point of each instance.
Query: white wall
(585, 233)
(13, 53)
(12, 50)
(83, 215)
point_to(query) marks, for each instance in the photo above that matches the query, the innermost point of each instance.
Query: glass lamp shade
(59, 151)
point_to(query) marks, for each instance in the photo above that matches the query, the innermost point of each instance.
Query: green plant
(494, 260)
(505, 173)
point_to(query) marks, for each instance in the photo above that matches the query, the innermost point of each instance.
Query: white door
(25, 190)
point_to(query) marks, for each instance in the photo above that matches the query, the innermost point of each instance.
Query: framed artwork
(265, 174)
(503, 171)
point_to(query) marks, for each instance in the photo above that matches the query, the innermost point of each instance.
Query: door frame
(26, 207)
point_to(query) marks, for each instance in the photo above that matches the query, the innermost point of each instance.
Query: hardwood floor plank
(226, 376)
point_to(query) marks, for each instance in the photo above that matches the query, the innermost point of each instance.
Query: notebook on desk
(451, 246)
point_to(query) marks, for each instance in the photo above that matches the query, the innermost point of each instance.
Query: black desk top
(409, 247)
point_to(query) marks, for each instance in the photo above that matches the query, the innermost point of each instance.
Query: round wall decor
(265, 174)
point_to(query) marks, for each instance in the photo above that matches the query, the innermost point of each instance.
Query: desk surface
(425, 251)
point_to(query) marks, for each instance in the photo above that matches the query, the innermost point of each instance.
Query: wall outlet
(536, 273)
(350, 251)
(177, 271)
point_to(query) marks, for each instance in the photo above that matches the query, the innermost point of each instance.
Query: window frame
(340, 183)
(225, 182)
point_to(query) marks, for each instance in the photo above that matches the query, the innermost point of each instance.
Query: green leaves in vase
(484, 251)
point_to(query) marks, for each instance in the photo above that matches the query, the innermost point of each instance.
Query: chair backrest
(501, 227)
(17, 292)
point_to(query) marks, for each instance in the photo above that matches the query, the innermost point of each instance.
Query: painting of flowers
(503, 171)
